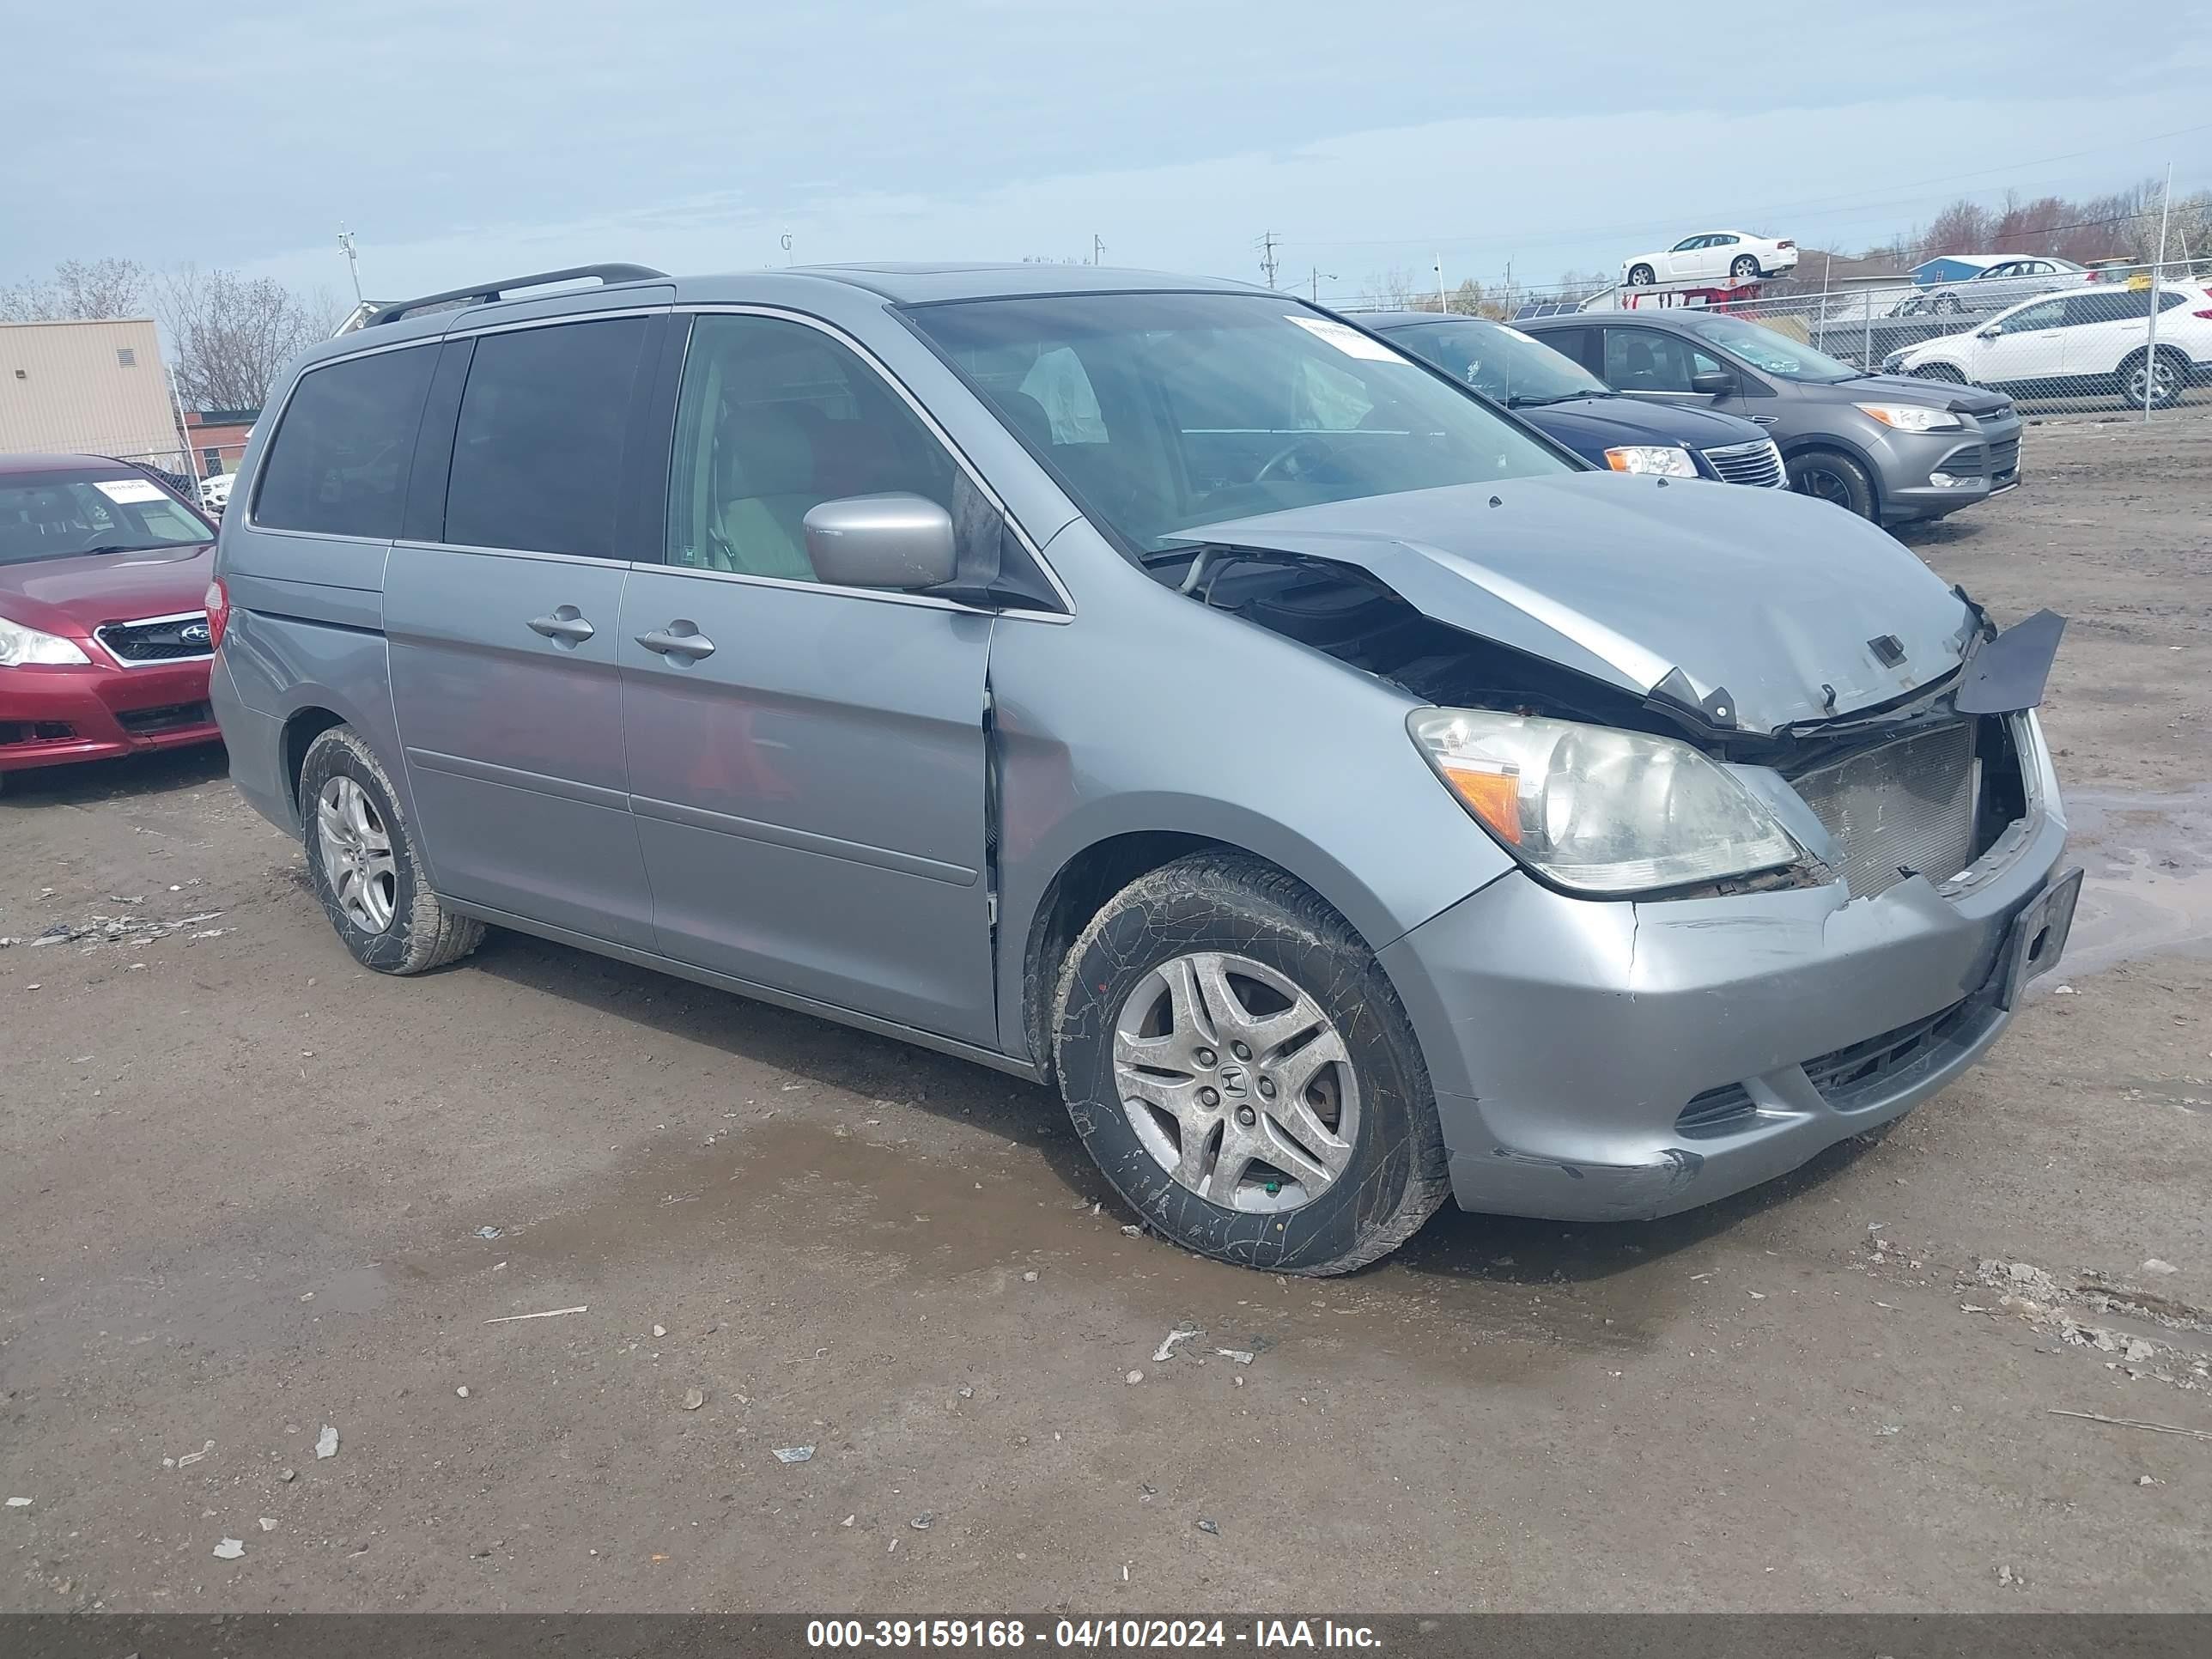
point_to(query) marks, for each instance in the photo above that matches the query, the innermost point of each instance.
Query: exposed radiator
(1907, 805)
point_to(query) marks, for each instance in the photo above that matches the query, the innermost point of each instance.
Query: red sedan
(104, 640)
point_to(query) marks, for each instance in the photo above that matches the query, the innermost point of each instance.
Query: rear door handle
(678, 638)
(566, 623)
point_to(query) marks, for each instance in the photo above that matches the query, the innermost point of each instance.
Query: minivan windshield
(1774, 352)
(1163, 412)
(1516, 369)
(59, 515)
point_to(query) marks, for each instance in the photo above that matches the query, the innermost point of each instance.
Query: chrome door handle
(566, 623)
(668, 642)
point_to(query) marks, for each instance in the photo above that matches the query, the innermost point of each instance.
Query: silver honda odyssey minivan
(1158, 687)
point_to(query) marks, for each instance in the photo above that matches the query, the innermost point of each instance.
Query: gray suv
(1153, 687)
(1888, 448)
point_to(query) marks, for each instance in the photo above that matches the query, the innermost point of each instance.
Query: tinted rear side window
(538, 453)
(338, 464)
(1571, 343)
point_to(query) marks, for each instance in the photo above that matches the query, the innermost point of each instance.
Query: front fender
(1223, 733)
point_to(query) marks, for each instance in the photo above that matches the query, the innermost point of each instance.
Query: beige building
(97, 387)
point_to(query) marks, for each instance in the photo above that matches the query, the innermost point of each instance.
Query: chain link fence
(2127, 336)
(2056, 337)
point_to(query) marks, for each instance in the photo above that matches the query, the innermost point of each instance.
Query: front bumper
(53, 715)
(1979, 464)
(1623, 1060)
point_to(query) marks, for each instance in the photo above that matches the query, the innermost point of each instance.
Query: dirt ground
(247, 1191)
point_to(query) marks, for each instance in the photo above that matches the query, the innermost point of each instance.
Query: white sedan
(1719, 255)
(215, 493)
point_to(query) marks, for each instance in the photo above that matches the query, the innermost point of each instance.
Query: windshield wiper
(124, 547)
(1516, 401)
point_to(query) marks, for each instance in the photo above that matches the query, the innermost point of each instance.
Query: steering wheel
(1278, 465)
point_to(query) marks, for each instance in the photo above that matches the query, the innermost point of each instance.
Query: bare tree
(87, 289)
(232, 337)
(1396, 286)
(1964, 227)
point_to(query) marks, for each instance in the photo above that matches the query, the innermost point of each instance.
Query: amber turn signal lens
(1495, 797)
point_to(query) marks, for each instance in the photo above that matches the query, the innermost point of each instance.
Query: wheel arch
(301, 727)
(1086, 877)
(1807, 443)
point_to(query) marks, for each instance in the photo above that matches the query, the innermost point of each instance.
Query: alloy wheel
(1236, 1081)
(357, 858)
(2164, 382)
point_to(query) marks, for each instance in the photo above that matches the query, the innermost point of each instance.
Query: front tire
(1239, 1066)
(1639, 277)
(1828, 475)
(1943, 372)
(362, 858)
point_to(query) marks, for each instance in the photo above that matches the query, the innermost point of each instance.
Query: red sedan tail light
(217, 602)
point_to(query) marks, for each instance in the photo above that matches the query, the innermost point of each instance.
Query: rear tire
(2168, 378)
(362, 858)
(1182, 967)
(1829, 475)
(1640, 276)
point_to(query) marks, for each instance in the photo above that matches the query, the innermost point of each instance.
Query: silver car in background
(1159, 689)
(1999, 283)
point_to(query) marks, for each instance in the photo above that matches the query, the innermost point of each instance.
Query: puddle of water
(2149, 882)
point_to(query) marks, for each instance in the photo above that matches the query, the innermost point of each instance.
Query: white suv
(2090, 339)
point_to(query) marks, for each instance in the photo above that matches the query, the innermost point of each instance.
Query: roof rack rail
(484, 293)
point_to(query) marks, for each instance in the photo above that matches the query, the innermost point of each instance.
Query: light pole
(1318, 273)
(353, 262)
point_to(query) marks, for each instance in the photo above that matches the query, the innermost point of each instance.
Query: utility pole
(1318, 273)
(191, 468)
(1097, 249)
(1268, 260)
(352, 262)
(2157, 281)
(1443, 304)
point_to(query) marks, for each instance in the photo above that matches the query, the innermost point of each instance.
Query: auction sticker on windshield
(126, 491)
(1348, 340)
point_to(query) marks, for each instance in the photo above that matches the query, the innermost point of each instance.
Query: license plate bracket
(2039, 936)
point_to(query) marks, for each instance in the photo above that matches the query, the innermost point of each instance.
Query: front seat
(1641, 363)
(768, 486)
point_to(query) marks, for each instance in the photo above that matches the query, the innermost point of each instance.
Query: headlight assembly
(1597, 810)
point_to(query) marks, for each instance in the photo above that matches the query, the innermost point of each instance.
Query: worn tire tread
(436, 937)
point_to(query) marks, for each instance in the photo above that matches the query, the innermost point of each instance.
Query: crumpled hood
(76, 595)
(1766, 595)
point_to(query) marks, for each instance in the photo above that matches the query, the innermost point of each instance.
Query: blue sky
(463, 142)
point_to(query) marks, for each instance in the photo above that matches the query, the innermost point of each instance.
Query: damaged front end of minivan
(1789, 828)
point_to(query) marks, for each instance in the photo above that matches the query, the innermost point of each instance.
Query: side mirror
(1990, 332)
(896, 541)
(1713, 383)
